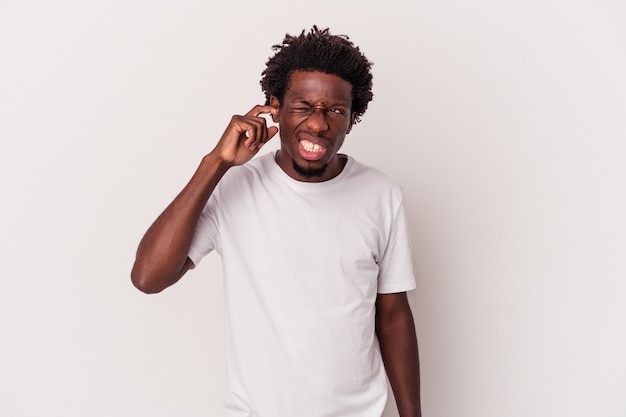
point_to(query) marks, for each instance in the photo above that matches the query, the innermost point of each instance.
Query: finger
(271, 132)
(259, 110)
(253, 128)
(256, 135)
(248, 127)
(260, 132)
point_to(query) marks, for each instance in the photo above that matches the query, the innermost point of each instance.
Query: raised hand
(245, 135)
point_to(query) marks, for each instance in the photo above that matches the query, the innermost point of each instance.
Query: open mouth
(311, 151)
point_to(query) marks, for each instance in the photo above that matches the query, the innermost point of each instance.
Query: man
(314, 246)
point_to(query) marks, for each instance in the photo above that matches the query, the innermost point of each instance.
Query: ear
(352, 122)
(276, 104)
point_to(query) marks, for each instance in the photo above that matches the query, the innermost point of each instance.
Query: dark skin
(316, 112)
(398, 345)
(314, 118)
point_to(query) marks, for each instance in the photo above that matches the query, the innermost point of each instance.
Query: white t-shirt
(303, 263)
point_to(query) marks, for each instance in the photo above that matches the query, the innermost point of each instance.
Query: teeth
(311, 147)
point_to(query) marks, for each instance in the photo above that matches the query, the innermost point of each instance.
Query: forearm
(398, 345)
(162, 252)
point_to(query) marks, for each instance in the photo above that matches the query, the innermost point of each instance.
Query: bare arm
(161, 258)
(398, 344)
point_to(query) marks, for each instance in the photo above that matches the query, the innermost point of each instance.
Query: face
(313, 118)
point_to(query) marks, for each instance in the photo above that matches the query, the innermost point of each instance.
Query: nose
(316, 121)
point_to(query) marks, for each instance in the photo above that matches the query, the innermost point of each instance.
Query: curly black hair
(318, 50)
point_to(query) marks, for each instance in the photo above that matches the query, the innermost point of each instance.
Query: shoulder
(372, 177)
(240, 181)
(256, 168)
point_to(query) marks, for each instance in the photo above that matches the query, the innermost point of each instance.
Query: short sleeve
(205, 238)
(396, 265)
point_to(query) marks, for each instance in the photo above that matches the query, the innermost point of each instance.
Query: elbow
(146, 288)
(144, 282)
(151, 279)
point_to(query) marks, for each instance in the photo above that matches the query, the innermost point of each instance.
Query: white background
(504, 121)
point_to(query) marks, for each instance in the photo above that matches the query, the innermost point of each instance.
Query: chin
(309, 172)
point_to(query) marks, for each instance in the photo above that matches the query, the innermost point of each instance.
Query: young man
(314, 246)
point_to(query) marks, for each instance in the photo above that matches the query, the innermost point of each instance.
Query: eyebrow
(307, 103)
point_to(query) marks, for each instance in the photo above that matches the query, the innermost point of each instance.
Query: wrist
(215, 160)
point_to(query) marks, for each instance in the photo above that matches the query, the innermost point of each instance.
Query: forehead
(315, 86)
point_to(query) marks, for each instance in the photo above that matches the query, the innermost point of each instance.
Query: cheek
(290, 124)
